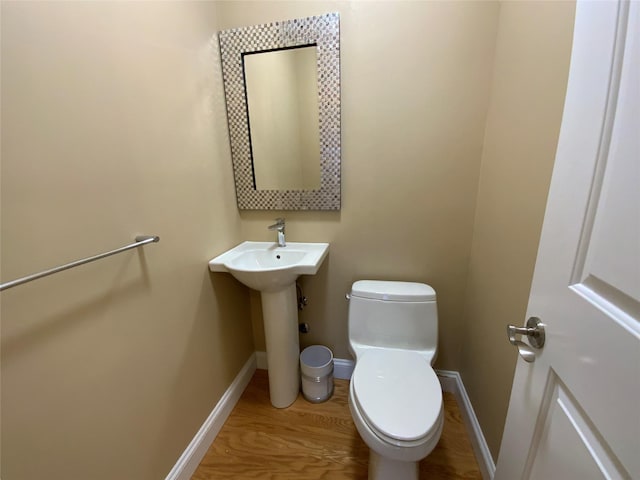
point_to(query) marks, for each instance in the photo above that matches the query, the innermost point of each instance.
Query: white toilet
(395, 397)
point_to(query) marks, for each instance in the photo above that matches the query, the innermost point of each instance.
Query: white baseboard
(261, 359)
(342, 368)
(452, 382)
(195, 451)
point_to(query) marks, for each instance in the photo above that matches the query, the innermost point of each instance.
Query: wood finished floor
(316, 441)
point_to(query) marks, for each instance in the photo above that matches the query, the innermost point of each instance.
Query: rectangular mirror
(282, 91)
(282, 98)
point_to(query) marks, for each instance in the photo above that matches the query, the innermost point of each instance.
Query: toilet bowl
(395, 397)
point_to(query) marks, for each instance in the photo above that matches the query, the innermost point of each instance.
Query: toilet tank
(401, 315)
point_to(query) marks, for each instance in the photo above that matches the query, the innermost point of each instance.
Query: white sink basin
(273, 271)
(266, 267)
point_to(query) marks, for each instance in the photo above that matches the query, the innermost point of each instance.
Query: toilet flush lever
(534, 330)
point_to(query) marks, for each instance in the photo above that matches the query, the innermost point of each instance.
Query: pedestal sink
(273, 270)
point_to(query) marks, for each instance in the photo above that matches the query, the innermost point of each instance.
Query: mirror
(282, 92)
(282, 97)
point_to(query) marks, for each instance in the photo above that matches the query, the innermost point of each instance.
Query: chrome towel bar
(140, 240)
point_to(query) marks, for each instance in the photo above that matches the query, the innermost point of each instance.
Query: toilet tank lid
(396, 291)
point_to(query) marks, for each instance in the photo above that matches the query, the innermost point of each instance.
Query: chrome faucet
(279, 226)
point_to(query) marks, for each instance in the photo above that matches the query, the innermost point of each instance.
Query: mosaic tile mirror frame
(324, 32)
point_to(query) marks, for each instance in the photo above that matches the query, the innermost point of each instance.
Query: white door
(575, 411)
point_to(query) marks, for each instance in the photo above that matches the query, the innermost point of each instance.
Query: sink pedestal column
(280, 315)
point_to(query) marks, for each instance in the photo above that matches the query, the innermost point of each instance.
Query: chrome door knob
(534, 330)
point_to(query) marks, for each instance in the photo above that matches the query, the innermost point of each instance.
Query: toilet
(395, 397)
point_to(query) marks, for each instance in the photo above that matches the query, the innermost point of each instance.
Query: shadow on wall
(63, 317)
(230, 296)
(317, 311)
(223, 334)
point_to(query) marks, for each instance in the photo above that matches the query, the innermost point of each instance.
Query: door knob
(534, 330)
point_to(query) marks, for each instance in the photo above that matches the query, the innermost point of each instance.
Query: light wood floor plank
(316, 441)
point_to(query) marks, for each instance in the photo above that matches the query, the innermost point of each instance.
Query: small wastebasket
(316, 366)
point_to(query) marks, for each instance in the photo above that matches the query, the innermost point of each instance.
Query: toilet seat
(398, 394)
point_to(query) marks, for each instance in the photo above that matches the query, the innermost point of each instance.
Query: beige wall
(113, 125)
(527, 95)
(415, 85)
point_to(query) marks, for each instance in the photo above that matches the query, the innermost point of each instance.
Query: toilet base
(381, 468)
